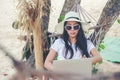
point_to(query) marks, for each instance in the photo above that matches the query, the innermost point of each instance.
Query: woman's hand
(95, 56)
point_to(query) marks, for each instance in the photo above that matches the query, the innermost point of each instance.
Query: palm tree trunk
(45, 22)
(109, 15)
(42, 35)
(38, 48)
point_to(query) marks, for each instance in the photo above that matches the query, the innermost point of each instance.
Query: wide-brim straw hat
(70, 16)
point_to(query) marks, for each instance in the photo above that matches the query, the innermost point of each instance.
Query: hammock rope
(85, 17)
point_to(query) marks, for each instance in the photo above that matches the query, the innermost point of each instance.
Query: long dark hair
(81, 42)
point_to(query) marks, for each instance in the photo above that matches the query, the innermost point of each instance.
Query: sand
(8, 35)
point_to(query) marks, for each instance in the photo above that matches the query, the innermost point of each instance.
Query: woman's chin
(73, 36)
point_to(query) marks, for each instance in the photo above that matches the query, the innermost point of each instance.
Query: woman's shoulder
(59, 40)
(89, 41)
(57, 44)
(90, 44)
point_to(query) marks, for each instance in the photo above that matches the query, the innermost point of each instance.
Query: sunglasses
(75, 27)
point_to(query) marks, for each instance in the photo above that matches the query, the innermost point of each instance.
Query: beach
(9, 36)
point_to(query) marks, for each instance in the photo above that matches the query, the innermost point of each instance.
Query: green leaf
(16, 24)
(55, 57)
(95, 70)
(102, 46)
(27, 47)
(118, 21)
(99, 49)
(100, 62)
(61, 17)
(24, 55)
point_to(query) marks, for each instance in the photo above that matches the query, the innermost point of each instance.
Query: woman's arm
(49, 60)
(96, 56)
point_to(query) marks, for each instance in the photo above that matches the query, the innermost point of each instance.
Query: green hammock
(112, 49)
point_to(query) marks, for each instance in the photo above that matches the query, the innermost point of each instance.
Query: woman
(73, 43)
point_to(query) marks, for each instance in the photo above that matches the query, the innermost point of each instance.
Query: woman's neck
(72, 40)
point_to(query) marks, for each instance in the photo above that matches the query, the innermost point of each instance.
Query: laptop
(81, 67)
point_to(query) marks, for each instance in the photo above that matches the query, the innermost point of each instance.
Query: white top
(59, 47)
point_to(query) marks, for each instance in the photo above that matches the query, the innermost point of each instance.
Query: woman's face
(72, 28)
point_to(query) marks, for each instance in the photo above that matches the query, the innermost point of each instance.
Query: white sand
(8, 35)
(8, 38)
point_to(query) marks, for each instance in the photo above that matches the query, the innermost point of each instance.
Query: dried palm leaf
(30, 15)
